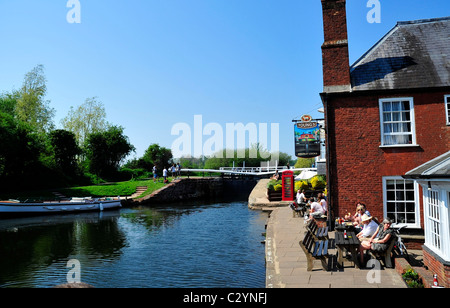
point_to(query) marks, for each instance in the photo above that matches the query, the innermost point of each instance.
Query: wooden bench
(320, 233)
(296, 211)
(386, 254)
(315, 250)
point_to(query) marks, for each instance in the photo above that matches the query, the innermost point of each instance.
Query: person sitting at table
(316, 209)
(356, 218)
(323, 202)
(301, 198)
(379, 240)
(369, 228)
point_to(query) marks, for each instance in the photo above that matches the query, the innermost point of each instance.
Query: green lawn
(111, 189)
(102, 190)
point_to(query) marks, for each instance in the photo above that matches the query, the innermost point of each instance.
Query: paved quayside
(286, 261)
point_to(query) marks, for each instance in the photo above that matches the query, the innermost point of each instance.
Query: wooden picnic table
(351, 244)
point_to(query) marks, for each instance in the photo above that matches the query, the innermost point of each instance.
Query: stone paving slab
(286, 261)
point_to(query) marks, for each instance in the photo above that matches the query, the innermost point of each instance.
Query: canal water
(214, 245)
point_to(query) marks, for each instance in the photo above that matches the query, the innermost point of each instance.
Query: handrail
(247, 170)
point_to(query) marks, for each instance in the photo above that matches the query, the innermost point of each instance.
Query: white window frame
(447, 108)
(417, 223)
(440, 207)
(412, 121)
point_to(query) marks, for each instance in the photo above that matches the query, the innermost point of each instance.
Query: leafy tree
(105, 150)
(304, 162)
(156, 155)
(253, 157)
(88, 118)
(65, 149)
(192, 162)
(31, 107)
(8, 102)
(21, 154)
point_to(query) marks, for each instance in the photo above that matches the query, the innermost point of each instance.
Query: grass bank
(112, 189)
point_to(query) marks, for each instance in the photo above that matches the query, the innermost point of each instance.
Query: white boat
(12, 207)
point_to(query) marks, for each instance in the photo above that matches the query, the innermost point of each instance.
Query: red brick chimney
(335, 59)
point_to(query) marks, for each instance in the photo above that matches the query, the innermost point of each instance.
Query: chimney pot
(335, 55)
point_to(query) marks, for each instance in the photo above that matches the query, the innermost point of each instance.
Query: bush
(318, 182)
(271, 184)
(301, 185)
(278, 187)
(412, 279)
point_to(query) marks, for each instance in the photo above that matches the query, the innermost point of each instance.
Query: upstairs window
(397, 122)
(447, 108)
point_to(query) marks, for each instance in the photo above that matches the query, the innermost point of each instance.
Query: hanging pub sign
(307, 138)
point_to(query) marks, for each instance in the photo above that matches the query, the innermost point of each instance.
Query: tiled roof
(414, 54)
(435, 168)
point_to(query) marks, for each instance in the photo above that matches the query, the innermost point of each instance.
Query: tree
(31, 107)
(156, 155)
(304, 162)
(88, 118)
(21, 152)
(105, 150)
(252, 158)
(8, 102)
(65, 149)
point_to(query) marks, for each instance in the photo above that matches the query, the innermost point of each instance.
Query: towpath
(286, 261)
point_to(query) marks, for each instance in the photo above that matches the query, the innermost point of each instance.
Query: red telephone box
(288, 183)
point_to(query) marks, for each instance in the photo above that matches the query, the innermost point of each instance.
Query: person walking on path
(165, 172)
(155, 176)
(178, 168)
(173, 171)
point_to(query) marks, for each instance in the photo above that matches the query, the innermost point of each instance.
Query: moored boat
(15, 207)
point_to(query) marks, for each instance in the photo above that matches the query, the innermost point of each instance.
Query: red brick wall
(437, 267)
(334, 20)
(357, 163)
(336, 70)
(335, 57)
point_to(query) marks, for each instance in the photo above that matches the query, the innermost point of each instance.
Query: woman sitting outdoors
(379, 240)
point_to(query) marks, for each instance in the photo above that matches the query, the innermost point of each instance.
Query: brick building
(387, 115)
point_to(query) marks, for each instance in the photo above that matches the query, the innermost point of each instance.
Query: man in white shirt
(316, 209)
(301, 198)
(165, 174)
(369, 227)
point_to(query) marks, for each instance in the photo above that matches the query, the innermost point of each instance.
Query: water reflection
(33, 243)
(190, 245)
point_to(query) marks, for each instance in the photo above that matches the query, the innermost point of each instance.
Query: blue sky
(155, 63)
